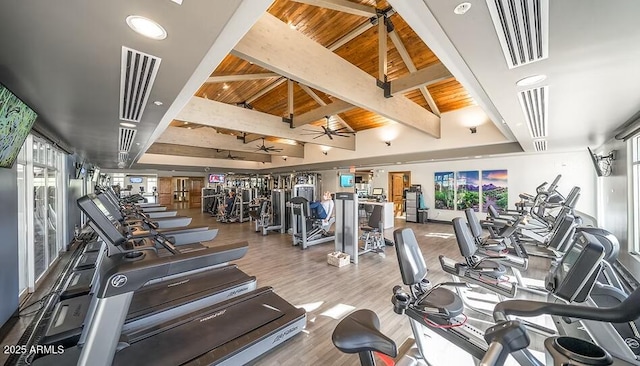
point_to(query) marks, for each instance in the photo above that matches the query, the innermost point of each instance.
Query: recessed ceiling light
(462, 8)
(292, 26)
(137, 143)
(127, 124)
(531, 80)
(157, 102)
(186, 123)
(225, 86)
(146, 27)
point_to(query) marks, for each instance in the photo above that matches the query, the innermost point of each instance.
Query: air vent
(540, 145)
(123, 157)
(523, 29)
(137, 74)
(125, 139)
(534, 103)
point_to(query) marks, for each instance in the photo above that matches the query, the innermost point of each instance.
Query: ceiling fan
(328, 131)
(267, 149)
(231, 157)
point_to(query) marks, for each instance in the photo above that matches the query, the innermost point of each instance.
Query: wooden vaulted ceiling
(327, 26)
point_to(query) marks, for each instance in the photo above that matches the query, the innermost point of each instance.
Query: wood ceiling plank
(209, 138)
(272, 44)
(217, 114)
(336, 107)
(343, 6)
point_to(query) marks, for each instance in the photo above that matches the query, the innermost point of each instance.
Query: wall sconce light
(325, 153)
(388, 143)
(473, 129)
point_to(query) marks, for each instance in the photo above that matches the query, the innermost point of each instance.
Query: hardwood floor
(304, 278)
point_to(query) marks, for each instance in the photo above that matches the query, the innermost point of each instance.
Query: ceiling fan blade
(318, 136)
(330, 137)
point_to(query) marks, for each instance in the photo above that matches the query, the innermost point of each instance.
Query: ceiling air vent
(123, 157)
(534, 103)
(125, 139)
(540, 145)
(523, 29)
(137, 74)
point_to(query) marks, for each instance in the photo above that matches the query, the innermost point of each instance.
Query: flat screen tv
(216, 178)
(347, 180)
(135, 180)
(16, 120)
(596, 164)
(81, 170)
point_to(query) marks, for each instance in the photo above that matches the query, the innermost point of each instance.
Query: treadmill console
(574, 276)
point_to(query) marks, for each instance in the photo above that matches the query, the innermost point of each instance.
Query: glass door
(39, 221)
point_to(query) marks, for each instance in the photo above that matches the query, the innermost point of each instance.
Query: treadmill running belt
(158, 297)
(205, 331)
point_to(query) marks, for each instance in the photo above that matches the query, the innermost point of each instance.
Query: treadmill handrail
(626, 311)
(128, 276)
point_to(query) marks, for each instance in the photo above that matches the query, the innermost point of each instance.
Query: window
(117, 179)
(40, 210)
(635, 171)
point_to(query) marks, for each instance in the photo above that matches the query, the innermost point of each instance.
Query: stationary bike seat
(359, 332)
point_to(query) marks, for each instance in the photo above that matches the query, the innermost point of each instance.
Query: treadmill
(179, 235)
(162, 221)
(157, 301)
(233, 332)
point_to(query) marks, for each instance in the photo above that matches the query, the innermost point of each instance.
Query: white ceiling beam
(241, 77)
(334, 46)
(406, 58)
(423, 77)
(251, 137)
(273, 45)
(319, 100)
(204, 152)
(290, 98)
(342, 6)
(382, 50)
(218, 114)
(209, 138)
(328, 110)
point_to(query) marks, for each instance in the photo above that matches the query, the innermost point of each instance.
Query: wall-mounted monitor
(216, 178)
(16, 120)
(135, 180)
(377, 192)
(81, 170)
(347, 180)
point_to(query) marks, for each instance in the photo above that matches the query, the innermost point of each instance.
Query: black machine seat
(446, 301)
(476, 231)
(468, 249)
(412, 265)
(374, 220)
(360, 332)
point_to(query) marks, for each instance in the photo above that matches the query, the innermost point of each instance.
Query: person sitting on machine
(228, 202)
(323, 209)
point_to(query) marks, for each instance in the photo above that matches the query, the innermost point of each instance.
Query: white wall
(526, 171)
(614, 192)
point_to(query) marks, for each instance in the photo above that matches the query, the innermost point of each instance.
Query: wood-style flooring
(304, 278)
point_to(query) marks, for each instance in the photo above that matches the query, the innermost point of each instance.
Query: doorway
(398, 181)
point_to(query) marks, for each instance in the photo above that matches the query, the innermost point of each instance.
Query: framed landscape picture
(495, 191)
(468, 190)
(444, 190)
